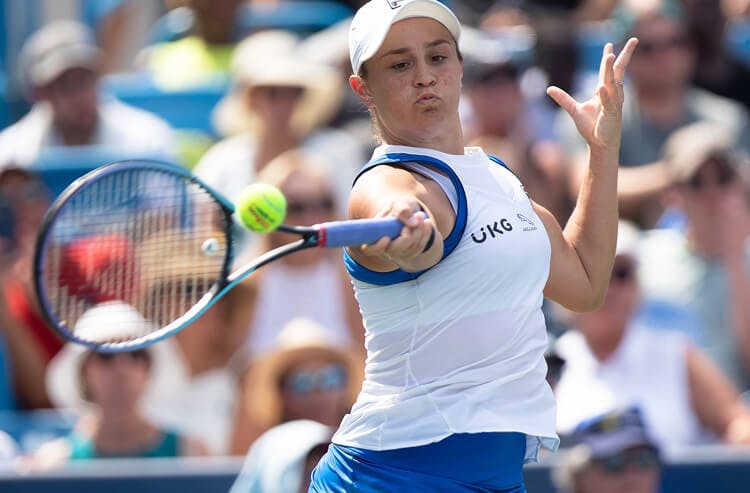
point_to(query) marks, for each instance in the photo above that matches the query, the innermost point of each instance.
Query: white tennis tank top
(460, 349)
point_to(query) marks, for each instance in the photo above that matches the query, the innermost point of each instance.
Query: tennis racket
(151, 246)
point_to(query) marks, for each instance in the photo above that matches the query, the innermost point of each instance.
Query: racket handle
(357, 232)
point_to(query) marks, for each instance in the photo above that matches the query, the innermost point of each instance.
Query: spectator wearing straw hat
(704, 265)
(304, 377)
(279, 101)
(107, 390)
(60, 66)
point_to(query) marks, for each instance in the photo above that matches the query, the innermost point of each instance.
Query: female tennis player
(454, 397)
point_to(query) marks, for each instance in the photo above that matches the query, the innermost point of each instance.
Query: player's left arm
(583, 252)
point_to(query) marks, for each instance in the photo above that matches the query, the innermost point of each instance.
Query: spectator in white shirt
(60, 67)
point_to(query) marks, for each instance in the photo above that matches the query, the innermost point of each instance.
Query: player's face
(413, 82)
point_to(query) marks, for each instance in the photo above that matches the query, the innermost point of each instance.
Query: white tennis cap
(373, 20)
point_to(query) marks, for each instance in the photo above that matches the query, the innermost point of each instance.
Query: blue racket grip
(357, 232)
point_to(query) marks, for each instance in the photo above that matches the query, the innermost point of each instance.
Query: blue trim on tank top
(450, 243)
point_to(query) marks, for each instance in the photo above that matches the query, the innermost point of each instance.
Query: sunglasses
(650, 47)
(623, 273)
(137, 355)
(330, 377)
(276, 93)
(310, 206)
(724, 177)
(641, 458)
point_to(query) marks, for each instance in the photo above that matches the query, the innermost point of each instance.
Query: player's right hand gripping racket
(150, 237)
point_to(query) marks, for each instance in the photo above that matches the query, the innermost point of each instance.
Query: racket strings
(145, 244)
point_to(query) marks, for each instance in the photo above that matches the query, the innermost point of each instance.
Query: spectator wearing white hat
(107, 390)
(60, 66)
(616, 359)
(279, 101)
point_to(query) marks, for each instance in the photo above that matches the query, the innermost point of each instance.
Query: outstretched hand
(599, 119)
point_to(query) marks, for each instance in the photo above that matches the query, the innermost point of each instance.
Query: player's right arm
(391, 191)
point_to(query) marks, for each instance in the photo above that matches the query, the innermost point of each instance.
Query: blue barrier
(714, 469)
(58, 167)
(4, 101)
(30, 429)
(188, 109)
(300, 16)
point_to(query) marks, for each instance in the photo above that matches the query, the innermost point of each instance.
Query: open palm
(599, 119)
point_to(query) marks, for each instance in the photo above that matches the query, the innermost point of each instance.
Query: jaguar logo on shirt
(529, 224)
(492, 231)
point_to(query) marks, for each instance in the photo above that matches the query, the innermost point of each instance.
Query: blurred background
(652, 387)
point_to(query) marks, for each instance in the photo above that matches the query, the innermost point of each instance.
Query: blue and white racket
(150, 236)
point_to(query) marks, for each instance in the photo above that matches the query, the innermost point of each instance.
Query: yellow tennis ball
(261, 207)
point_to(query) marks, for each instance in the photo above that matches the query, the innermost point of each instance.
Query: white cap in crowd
(373, 20)
(55, 48)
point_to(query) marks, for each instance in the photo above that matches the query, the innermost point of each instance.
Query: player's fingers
(623, 59)
(377, 248)
(609, 75)
(563, 99)
(606, 51)
(607, 100)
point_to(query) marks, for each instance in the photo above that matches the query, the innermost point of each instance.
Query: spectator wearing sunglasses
(704, 266)
(108, 391)
(660, 98)
(311, 283)
(617, 358)
(304, 376)
(611, 453)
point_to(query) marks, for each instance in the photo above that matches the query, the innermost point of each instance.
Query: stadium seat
(59, 167)
(4, 105)
(188, 109)
(738, 39)
(30, 429)
(302, 17)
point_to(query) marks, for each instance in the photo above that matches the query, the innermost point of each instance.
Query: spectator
(506, 127)
(282, 459)
(278, 103)
(659, 99)
(704, 268)
(207, 359)
(29, 342)
(60, 66)
(203, 54)
(304, 376)
(615, 359)
(107, 389)
(311, 283)
(717, 69)
(612, 453)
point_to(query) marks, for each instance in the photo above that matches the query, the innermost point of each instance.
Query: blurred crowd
(268, 372)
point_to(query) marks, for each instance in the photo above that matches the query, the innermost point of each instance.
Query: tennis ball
(261, 207)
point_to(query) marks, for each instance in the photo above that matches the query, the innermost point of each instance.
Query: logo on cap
(395, 4)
